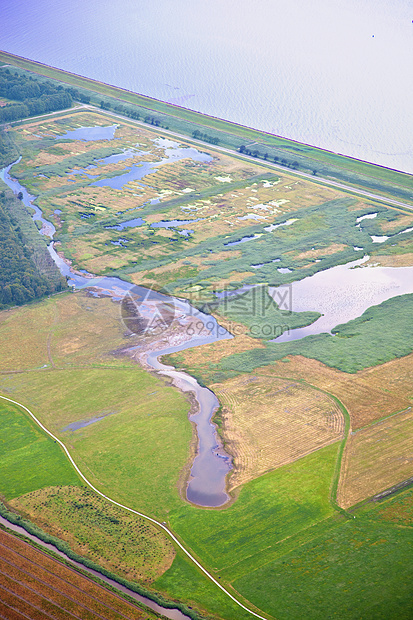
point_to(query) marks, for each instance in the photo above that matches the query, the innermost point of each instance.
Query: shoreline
(201, 115)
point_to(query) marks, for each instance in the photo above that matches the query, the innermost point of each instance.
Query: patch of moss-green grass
(358, 570)
(267, 511)
(184, 581)
(29, 459)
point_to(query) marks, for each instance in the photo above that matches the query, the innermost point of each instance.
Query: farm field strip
(368, 395)
(32, 559)
(16, 582)
(42, 581)
(376, 458)
(16, 606)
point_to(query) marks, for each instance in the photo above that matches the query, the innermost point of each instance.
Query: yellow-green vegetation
(269, 421)
(137, 458)
(351, 569)
(268, 510)
(119, 541)
(368, 395)
(142, 435)
(34, 322)
(206, 222)
(359, 564)
(376, 457)
(148, 450)
(68, 330)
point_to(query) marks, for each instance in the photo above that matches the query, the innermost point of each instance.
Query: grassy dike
(263, 145)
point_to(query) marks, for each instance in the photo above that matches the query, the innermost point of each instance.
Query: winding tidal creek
(207, 480)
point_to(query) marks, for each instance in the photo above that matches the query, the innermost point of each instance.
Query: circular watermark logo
(147, 312)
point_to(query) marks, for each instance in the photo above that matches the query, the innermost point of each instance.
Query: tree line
(198, 135)
(255, 153)
(34, 97)
(23, 273)
(131, 112)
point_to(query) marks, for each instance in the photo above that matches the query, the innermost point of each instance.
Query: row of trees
(121, 109)
(132, 112)
(255, 153)
(198, 135)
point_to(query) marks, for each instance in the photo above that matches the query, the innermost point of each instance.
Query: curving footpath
(140, 514)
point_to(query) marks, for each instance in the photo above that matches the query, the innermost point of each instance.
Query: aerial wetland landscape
(206, 367)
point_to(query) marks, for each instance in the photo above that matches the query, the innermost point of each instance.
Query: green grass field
(268, 510)
(357, 570)
(29, 459)
(136, 453)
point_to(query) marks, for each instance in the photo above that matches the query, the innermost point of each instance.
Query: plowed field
(33, 585)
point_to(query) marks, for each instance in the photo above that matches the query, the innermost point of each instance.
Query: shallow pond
(75, 426)
(243, 240)
(174, 223)
(89, 134)
(272, 227)
(137, 221)
(343, 293)
(173, 152)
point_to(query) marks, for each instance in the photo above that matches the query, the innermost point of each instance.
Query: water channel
(173, 614)
(206, 486)
(340, 294)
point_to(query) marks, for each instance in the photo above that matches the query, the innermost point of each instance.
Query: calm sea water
(333, 73)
